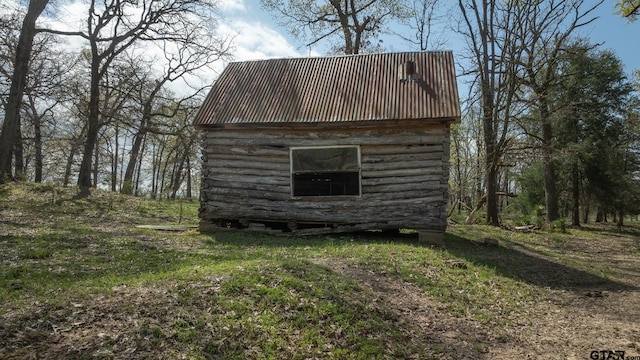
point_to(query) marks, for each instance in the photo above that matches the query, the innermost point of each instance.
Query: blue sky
(260, 37)
(616, 34)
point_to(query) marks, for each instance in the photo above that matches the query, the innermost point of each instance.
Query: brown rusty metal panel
(334, 89)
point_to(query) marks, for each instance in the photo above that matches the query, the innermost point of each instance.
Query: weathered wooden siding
(246, 177)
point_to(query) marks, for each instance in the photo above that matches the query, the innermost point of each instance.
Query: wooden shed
(329, 144)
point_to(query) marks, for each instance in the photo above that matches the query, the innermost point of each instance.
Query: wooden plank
(168, 227)
(400, 158)
(223, 158)
(409, 190)
(261, 173)
(369, 173)
(247, 150)
(424, 222)
(223, 179)
(247, 190)
(371, 149)
(234, 141)
(396, 180)
(328, 208)
(236, 164)
(342, 131)
(427, 166)
(393, 149)
(234, 194)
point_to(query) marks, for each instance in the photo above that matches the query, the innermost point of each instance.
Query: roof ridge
(342, 56)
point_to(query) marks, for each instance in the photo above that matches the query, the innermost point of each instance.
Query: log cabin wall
(404, 173)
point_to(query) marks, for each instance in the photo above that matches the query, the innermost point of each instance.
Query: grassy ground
(80, 280)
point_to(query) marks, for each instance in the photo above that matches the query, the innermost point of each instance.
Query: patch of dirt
(566, 324)
(461, 338)
(577, 323)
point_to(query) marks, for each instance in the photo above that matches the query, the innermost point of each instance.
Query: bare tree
(11, 123)
(47, 88)
(9, 33)
(423, 18)
(487, 28)
(114, 26)
(195, 52)
(355, 22)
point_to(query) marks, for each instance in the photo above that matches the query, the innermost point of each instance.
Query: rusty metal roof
(334, 89)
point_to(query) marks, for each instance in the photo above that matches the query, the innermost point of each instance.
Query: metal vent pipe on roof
(408, 71)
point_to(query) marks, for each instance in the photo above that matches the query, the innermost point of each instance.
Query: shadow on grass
(612, 230)
(68, 260)
(513, 260)
(520, 263)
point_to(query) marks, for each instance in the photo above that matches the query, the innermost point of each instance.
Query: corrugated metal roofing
(333, 89)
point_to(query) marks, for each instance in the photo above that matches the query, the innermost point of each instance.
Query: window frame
(292, 173)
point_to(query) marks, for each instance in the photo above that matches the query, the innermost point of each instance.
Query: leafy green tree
(544, 32)
(614, 165)
(530, 199)
(594, 94)
(628, 8)
(591, 113)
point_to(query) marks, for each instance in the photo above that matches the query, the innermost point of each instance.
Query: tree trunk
(551, 192)
(585, 210)
(492, 198)
(479, 190)
(176, 175)
(161, 186)
(37, 138)
(114, 162)
(93, 124)
(189, 185)
(67, 169)
(620, 222)
(458, 174)
(162, 172)
(127, 181)
(575, 190)
(18, 80)
(585, 215)
(137, 182)
(158, 183)
(94, 170)
(19, 155)
(154, 172)
(490, 160)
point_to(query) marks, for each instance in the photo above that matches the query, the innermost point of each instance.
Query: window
(325, 171)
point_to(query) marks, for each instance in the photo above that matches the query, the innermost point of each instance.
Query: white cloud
(232, 5)
(68, 16)
(254, 41)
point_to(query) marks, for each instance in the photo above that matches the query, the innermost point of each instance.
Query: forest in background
(550, 131)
